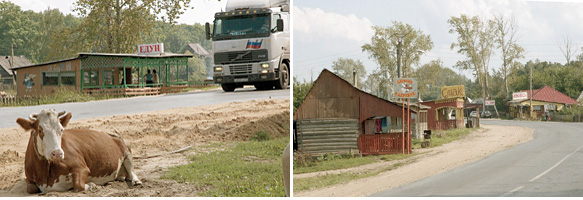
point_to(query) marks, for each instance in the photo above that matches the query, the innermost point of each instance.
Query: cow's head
(48, 129)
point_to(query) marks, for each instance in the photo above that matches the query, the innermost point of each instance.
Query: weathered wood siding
(330, 135)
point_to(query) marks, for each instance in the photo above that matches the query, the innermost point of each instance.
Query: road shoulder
(475, 146)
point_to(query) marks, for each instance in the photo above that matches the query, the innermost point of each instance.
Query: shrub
(260, 136)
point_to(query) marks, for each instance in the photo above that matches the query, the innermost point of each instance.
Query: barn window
(50, 78)
(68, 78)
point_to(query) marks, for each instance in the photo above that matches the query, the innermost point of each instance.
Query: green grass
(333, 179)
(344, 163)
(60, 96)
(246, 169)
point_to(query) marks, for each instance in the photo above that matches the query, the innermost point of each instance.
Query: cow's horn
(32, 117)
(62, 113)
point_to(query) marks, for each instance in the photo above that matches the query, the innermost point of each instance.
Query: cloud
(315, 23)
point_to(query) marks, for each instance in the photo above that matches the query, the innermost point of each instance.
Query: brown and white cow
(59, 160)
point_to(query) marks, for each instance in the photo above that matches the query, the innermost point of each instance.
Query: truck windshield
(244, 26)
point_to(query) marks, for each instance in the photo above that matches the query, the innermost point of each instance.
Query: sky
(326, 30)
(204, 10)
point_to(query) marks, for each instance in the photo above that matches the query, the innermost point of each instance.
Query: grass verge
(329, 162)
(342, 162)
(246, 169)
(333, 179)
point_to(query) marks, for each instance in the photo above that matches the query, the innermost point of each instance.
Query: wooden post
(408, 126)
(403, 126)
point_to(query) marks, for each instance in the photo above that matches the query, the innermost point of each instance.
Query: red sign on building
(149, 49)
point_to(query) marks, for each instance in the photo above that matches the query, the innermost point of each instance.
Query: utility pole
(530, 114)
(399, 50)
(12, 67)
(355, 83)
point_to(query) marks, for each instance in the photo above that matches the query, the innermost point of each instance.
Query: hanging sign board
(490, 102)
(519, 95)
(453, 91)
(405, 88)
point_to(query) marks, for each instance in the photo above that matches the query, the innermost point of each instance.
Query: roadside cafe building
(441, 114)
(104, 73)
(545, 100)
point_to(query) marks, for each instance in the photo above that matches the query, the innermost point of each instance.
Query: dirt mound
(155, 133)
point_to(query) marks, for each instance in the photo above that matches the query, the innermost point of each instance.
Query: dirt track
(155, 133)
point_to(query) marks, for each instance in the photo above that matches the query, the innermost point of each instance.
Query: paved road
(112, 107)
(549, 165)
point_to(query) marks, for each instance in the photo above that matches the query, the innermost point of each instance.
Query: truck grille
(241, 69)
(240, 57)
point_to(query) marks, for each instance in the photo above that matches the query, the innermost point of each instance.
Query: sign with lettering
(453, 91)
(489, 102)
(519, 95)
(405, 88)
(150, 49)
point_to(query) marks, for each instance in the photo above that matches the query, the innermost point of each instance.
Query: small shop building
(104, 73)
(545, 101)
(336, 117)
(447, 112)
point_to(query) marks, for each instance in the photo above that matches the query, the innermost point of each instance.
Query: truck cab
(251, 45)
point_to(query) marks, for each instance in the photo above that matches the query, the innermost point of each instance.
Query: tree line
(478, 40)
(102, 26)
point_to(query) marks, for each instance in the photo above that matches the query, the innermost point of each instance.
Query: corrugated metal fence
(321, 136)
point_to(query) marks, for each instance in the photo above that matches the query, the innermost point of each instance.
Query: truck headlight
(218, 69)
(264, 71)
(265, 65)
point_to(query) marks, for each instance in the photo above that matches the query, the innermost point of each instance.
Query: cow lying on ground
(286, 171)
(59, 160)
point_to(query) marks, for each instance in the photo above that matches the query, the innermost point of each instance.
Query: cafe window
(50, 78)
(68, 78)
(108, 77)
(90, 78)
(537, 108)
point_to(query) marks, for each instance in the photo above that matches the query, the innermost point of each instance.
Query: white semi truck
(251, 44)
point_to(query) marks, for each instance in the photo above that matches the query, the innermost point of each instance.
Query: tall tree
(117, 26)
(401, 39)
(15, 29)
(475, 41)
(568, 49)
(432, 76)
(345, 67)
(511, 51)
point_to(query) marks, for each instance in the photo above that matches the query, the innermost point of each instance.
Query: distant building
(196, 49)
(544, 100)
(6, 74)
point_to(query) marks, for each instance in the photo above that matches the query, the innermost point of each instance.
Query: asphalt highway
(82, 110)
(548, 165)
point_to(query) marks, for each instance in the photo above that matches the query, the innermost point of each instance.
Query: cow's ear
(25, 124)
(65, 119)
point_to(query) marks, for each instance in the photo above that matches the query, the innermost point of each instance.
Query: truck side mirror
(279, 25)
(207, 29)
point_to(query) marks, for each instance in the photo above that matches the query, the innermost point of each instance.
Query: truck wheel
(283, 77)
(228, 87)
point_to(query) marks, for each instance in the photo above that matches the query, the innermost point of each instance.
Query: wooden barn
(336, 117)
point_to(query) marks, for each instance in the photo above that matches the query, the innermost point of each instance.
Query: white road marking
(556, 165)
(513, 191)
